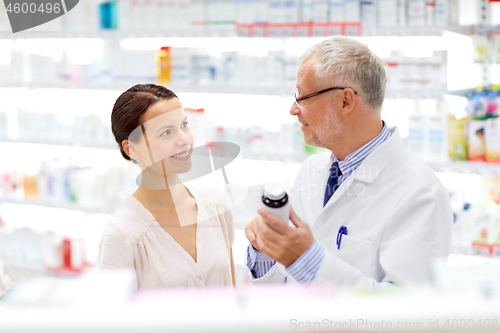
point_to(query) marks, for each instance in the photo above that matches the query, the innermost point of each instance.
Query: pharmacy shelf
(16, 271)
(263, 156)
(464, 167)
(462, 92)
(269, 90)
(63, 205)
(182, 32)
(282, 30)
(20, 271)
(467, 92)
(92, 145)
(419, 94)
(403, 31)
(122, 86)
(484, 251)
(483, 169)
(460, 29)
(479, 168)
(273, 30)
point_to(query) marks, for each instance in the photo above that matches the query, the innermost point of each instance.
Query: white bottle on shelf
(124, 15)
(336, 10)
(291, 11)
(244, 11)
(181, 65)
(417, 131)
(4, 19)
(368, 13)
(275, 68)
(441, 13)
(169, 14)
(416, 13)
(260, 11)
(3, 125)
(137, 10)
(17, 65)
(306, 10)
(291, 66)
(320, 11)
(352, 11)
(276, 11)
(437, 133)
(402, 8)
(92, 13)
(430, 12)
(183, 12)
(285, 139)
(388, 13)
(196, 12)
(149, 20)
(454, 12)
(213, 11)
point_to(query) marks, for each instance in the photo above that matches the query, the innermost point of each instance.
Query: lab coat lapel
(311, 192)
(366, 173)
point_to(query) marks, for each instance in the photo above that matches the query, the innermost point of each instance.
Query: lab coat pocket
(356, 252)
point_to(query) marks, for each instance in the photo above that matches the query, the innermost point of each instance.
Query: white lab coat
(397, 213)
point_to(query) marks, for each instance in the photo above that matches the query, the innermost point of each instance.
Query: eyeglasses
(298, 99)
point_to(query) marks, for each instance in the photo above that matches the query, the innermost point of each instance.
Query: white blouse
(133, 238)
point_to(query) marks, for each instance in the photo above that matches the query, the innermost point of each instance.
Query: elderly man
(368, 214)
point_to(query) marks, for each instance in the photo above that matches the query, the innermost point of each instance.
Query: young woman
(172, 234)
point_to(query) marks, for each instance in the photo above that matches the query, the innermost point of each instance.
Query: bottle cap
(274, 191)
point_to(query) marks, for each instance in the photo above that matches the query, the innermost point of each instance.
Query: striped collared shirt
(305, 268)
(354, 159)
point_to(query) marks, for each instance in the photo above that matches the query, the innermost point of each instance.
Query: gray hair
(343, 61)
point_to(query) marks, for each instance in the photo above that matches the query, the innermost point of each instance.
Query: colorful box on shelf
(299, 29)
(482, 250)
(486, 250)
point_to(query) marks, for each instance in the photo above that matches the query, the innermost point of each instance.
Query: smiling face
(317, 114)
(167, 139)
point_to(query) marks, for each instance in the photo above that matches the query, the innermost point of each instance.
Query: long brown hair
(129, 108)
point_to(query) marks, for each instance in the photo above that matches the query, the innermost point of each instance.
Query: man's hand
(273, 236)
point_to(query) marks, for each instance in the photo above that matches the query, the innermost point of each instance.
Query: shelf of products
(64, 184)
(476, 168)
(184, 32)
(225, 18)
(105, 209)
(209, 89)
(272, 31)
(192, 70)
(267, 90)
(474, 137)
(26, 252)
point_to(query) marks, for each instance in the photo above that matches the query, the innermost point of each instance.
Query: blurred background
(233, 65)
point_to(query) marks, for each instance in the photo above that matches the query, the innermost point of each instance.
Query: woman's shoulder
(130, 220)
(207, 196)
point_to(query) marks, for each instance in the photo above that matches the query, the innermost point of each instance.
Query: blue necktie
(333, 181)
